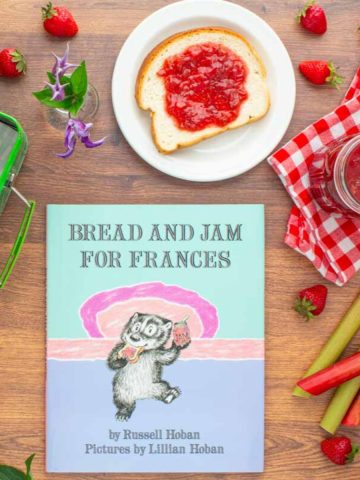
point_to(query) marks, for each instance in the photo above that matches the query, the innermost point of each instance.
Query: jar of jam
(335, 176)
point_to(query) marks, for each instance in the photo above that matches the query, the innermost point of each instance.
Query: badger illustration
(139, 359)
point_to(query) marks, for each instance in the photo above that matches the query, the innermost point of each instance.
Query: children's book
(155, 338)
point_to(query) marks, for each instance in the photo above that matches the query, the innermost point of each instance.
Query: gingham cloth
(330, 241)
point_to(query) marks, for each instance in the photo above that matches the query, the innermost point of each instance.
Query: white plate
(230, 153)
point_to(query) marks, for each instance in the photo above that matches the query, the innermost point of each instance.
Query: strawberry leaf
(18, 58)
(302, 13)
(305, 308)
(354, 451)
(334, 79)
(48, 12)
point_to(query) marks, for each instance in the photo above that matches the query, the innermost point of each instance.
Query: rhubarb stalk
(352, 417)
(340, 404)
(332, 376)
(336, 344)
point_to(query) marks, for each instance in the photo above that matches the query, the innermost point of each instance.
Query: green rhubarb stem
(336, 344)
(340, 404)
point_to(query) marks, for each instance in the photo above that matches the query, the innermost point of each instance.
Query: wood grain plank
(115, 174)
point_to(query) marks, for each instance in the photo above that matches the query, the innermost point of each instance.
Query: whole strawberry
(58, 21)
(311, 301)
(320, 72)
(312, 17)
(12, 63)
(339, 450)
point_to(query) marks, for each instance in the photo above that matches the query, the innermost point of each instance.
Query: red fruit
(312, 17)
(339, 450)
(311, 301)
(12, 63)
(321, 73)
(58, 21)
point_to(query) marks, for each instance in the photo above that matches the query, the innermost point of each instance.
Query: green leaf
(42, 94)
(77, 104)
(28, 463)
(78, 80)
(75, 91)
(51, 77)
(10, 473)
(44, 97)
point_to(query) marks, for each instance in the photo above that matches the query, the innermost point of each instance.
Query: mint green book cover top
(155, 325)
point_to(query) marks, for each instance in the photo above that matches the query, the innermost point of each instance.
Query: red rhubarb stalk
(332, 376)
(352, 417)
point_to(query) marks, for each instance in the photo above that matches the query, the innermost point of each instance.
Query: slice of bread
(150, 90)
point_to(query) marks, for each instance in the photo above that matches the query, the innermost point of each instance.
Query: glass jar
(58, 118)
(335, 176)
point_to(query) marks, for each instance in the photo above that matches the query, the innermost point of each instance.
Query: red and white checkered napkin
(330, 241)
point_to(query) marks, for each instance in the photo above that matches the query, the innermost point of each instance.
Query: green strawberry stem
(302, 12)
(18, 58)
(305, 308)
(339, 405)
(336, 344)
(48, 11)
(354, 451)
(334, 79)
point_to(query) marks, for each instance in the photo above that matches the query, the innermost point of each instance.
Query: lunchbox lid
(10, 165)
(13, 161)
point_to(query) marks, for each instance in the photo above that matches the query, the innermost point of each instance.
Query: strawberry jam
(352, 172)
(205, 86)
(335, 176)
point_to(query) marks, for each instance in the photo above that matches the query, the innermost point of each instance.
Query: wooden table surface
(114, 174)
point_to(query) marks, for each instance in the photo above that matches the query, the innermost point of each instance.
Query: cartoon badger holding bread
(139, 358)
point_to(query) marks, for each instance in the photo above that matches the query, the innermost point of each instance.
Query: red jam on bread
(130, 353)
(205, 86)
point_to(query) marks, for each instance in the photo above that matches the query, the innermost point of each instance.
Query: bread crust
(156, 51)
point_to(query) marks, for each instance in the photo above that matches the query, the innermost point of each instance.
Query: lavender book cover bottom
(155, 338)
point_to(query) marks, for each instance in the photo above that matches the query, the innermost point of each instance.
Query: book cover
(155, 338)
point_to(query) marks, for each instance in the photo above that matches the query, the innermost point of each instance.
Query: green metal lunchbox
(13, 147)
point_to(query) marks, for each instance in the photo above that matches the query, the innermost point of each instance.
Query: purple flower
(61, 64)
(57, 89)
(77, 129)
(59, 69)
